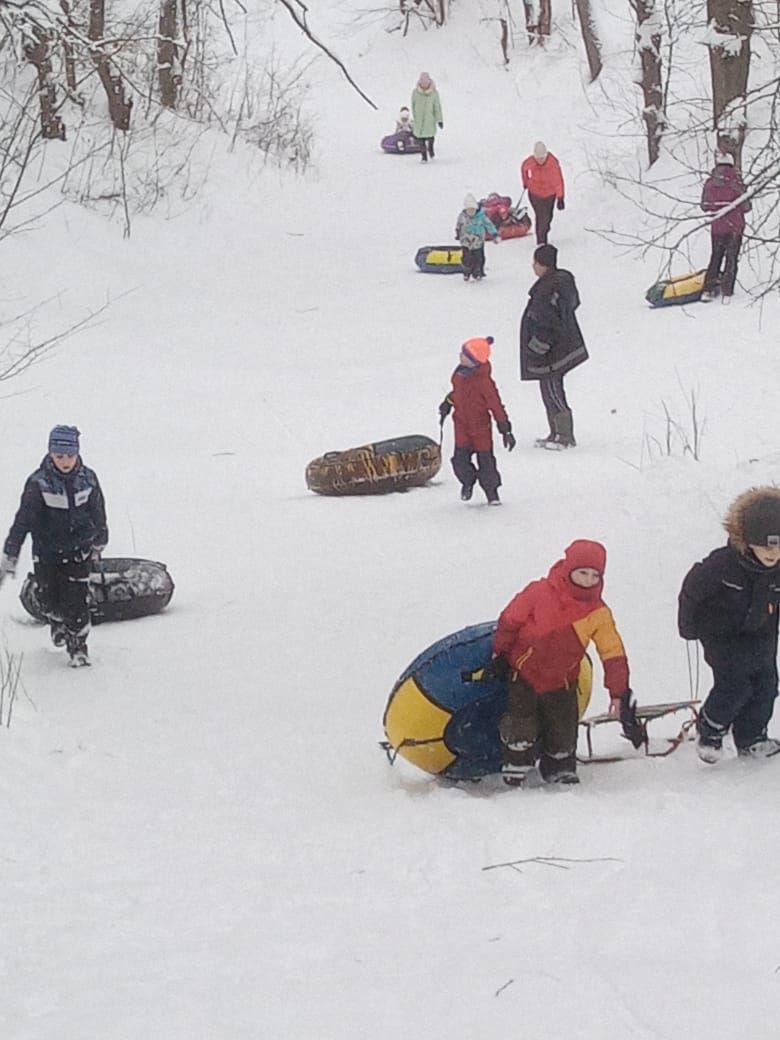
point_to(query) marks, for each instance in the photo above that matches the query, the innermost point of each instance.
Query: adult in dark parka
(551, 342)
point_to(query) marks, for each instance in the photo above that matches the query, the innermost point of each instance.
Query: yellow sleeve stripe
(599, 627)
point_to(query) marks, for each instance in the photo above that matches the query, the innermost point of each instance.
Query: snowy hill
(201, 838)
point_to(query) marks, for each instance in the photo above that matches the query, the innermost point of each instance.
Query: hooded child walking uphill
(475, 398)
(62, 508)
(539, 644)
(426, 114)
(471, 229)
(729, 601)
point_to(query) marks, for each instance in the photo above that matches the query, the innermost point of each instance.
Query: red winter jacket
(723, 186)
(475, 397)
(542, 179)
(546, 628)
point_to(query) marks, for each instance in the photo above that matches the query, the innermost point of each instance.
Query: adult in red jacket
(723, 187)
(543, 180)
(541, 638)
(476, 401)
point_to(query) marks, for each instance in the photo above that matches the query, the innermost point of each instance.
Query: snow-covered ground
(200, 836)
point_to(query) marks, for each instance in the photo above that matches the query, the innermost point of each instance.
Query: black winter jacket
(730, 601)
(64, 512)
(551, 341)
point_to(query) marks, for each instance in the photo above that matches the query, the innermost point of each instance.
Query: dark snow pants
(543, 212)
(63, 593)
(486, 470)
(474, 262)
(426, 143)
(742, 697)
(553, 397)
(725, 255)
(540, 726)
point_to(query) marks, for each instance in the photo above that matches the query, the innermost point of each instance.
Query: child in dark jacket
(729, 601)
(475, 398)
(62, 508)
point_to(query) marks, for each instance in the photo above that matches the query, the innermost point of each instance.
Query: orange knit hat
(478, 349)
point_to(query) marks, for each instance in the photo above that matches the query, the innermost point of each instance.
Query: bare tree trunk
(38, 53)
(504, 39)
(732, 23)
(69, 53)
(119, 107)
(590, 38)
(167, 54)
(648, 42)
(545, 20)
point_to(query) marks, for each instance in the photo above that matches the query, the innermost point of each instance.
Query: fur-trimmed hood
(741, 507)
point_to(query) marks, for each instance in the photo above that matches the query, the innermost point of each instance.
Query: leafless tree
(590, 37)
(648, 39)
(730, 31)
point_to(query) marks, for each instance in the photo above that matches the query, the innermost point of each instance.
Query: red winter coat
(542, 179)
(475, 397)
(546, 628)
(723, 186)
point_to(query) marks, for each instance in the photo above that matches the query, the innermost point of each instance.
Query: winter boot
(466, 492)
(542, 442)
(564, 424)
(492, 498)
(764, 747)
(77, 652)
(709, 746)
(515, 776)
(58, 634)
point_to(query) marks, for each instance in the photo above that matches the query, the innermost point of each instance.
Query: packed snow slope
(201, 838)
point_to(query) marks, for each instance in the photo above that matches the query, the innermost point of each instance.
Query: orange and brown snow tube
(376, 469)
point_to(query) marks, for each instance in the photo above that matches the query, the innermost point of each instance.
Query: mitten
(444, 409)
(7, 568)
(633, 729)
(560, 204)
(509, 440)
(498, 669)
(441, 125)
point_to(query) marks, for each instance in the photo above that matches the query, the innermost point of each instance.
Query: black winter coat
(730, 601)
(551, 341)
(64, 512)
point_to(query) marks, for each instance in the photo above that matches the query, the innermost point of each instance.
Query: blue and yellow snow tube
(440, 259)
(442, 716)
(686, 288)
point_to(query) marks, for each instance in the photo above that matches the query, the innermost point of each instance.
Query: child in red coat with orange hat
(540, 641)
(475, 398)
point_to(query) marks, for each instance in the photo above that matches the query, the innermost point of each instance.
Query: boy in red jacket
(475, 398)
(540, 641)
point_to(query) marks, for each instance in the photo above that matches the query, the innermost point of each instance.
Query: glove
(560, 204)
(497, 239)
(444, 409)
(498, 669)
(7, 568)
(505, 429)
(633, 729)
(441, 125)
